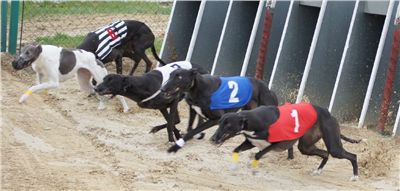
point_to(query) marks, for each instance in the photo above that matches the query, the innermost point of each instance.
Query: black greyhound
(145, 91)
(304, 122)
(199, 91)
(128, 38)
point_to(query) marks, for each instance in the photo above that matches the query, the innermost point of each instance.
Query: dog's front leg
(39, 79)
(123, 102)
(179, 144)
(246, 145)
(255, 162)
(33, 89)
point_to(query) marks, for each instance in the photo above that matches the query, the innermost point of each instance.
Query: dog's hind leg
(307, 147)
(136, 60)
(140, 45)
(332, 138)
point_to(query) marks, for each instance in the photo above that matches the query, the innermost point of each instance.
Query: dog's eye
(180, 77)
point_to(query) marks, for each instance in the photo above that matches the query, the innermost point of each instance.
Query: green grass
(61, 39)
(67, 41)
(35, 9)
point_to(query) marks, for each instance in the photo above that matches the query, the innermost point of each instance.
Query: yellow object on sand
(28, 92)
(254, 163)
(235, 157)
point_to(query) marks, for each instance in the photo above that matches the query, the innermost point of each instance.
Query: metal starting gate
(332, 53)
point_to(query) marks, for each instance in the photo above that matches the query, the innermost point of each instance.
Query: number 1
(295, 115)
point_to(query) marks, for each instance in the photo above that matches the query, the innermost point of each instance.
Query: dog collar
(152, 96)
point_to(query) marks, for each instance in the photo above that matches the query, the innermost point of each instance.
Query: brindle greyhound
(257, 126)
(145, 91)
(199, 91)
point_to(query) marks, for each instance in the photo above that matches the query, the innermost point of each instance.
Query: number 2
(295, 115)
(235, 88)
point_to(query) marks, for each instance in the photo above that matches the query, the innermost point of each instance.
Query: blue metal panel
(237, 34)
(328, 52)
(377, 92)
(294, 53)
(209, 33)
(180, 31)
(278, 22)
(358, 64)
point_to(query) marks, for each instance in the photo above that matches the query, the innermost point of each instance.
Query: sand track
(61, 141)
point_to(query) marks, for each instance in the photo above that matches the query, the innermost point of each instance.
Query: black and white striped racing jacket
(109, 37)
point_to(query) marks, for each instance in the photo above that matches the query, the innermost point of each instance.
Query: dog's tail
(153, 50)
(349, 139)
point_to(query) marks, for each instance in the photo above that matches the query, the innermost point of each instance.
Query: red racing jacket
(293, 122)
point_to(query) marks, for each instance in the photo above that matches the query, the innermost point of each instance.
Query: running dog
(212, 96)
(128, 38)
(145, 90)
(279, 128)
(57, 64)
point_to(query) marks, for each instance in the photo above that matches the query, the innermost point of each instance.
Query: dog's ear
(243, 122)
(125, 84)
(38, 48)
(194, 72)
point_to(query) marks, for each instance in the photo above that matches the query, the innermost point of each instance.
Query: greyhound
(145, 90)
(59, 64)
(128, 38)
(205, 97)
(278, 128)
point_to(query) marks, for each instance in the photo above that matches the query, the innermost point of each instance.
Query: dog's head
(179, 80)
(28, 55)
(114, 84)
(230, 125)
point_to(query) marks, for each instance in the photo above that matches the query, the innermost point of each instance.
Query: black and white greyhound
(145, 91)
(127, 38)
(279, 128)
(56, 64)
(201, 95)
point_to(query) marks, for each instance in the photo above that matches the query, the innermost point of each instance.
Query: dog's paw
(254, 171)
(174, 149)
(126, 110)
(23, 98)
(101, 106)
(233, 167)
(200, 136)
(156, 129)
(354, 178)
(316, 172)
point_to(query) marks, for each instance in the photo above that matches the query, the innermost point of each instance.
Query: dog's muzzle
(20, 64)
(102, 91)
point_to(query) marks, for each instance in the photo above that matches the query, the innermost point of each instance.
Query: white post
(311, 52)
(166, 30)
(281, 44)
(228, 12)
(376, 64)
(195, 30)
(346, 47)
(397, 122)
(252, 37)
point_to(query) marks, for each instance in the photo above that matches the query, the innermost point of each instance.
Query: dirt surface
(60, 141)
